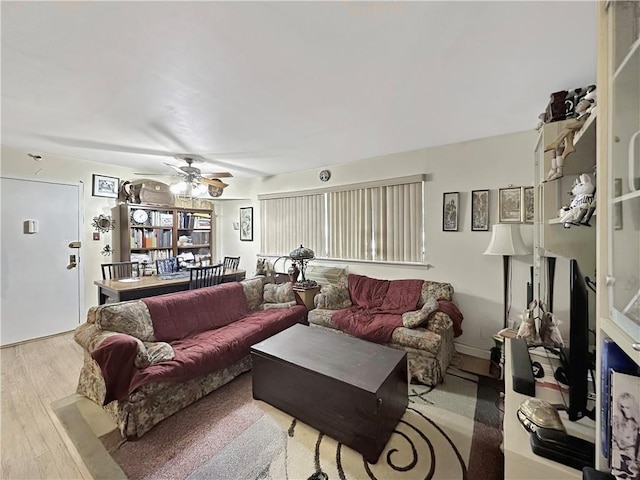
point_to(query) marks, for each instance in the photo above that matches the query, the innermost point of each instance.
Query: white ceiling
(262, 88)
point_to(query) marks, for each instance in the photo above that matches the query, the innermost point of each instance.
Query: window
(378, 221)
(289, 222)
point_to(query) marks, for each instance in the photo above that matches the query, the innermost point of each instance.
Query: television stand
(520, 462)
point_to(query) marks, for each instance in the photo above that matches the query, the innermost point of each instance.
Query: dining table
(119, 290)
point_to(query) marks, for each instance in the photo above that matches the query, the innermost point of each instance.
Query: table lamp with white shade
(506, 240)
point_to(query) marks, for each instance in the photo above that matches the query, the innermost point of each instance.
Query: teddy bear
(583, 194)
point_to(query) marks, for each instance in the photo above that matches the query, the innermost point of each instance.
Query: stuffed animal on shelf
(583, 198)
(527, 328)
(550, 335)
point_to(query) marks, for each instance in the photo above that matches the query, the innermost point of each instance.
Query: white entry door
(40, 289)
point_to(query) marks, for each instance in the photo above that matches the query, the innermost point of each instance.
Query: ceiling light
(179, 187)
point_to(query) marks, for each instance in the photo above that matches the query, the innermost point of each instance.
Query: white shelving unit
(618, 185)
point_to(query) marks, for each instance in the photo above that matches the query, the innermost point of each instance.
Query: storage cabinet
(146, 233)
(618, 297)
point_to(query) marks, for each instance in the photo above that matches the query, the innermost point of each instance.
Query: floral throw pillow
(159, 352)
(278, 292)
(416, 318)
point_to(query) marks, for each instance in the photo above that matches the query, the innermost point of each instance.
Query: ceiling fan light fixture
(179, 187)
(199, 189)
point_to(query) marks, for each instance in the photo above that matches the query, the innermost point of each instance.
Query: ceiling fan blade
(213, 182)
(219, 175)
(176, 168)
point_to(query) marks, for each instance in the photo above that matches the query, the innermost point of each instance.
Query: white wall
(17, 164)
(456, 257)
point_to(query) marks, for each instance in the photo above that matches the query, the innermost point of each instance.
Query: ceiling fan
(193, 182)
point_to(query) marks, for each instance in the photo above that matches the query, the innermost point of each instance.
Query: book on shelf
(625, 426)
(613, 358)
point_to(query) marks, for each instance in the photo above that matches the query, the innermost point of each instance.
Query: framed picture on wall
(510, 205)
(480, 210)
(246, 224)
(527, 205)
(450, 208)
(105, 186)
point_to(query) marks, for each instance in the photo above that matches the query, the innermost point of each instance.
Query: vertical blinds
(289, 222)
(378, 223)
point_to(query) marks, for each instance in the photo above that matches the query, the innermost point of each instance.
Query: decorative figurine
(527, 328)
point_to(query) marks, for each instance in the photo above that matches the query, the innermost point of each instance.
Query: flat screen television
(577, 360)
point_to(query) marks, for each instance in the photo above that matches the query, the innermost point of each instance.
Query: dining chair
(166, 265)
(231, 263)
(205, 276)
(114, 271)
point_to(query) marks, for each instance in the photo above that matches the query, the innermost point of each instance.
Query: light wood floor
(33, 443)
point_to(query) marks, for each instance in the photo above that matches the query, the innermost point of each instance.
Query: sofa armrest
(89, 336)
(333, 297)
(439, 323)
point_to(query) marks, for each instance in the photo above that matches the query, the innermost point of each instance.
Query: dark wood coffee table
(350, 389)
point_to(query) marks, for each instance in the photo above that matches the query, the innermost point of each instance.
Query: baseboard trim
(473, 351)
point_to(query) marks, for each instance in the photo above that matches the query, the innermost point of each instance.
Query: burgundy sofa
(147, 359)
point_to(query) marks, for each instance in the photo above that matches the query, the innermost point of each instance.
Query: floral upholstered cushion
(159, 352)
(253, 291)
(437, 290)
(416, 318)
(333, 297)
(278, 293)
(268, 306)
(130, 317)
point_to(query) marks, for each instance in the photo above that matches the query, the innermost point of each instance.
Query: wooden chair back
(166, 265)
(206, 276)
(114, 271)
(231, 263)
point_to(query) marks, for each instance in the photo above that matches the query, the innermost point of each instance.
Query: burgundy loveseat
(147, 359)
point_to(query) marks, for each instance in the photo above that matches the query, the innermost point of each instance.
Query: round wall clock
(139, 216)
(325, 175)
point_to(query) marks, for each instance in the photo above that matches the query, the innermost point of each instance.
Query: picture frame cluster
(515, 205)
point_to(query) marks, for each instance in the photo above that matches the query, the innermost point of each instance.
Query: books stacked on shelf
(189, 220)
(150, 238)
(200, 238)
(625, 426)
(614, 363)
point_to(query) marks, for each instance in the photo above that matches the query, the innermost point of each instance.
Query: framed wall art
(480, 210)
(527, 205)
(510, 205)
(246, 224)
(105, 186)
(450, 208)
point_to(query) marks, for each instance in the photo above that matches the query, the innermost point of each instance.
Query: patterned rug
(450, 432)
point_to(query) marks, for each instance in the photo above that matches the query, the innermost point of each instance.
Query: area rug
(449, 432)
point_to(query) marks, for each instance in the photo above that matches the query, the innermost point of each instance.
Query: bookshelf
(146, 233)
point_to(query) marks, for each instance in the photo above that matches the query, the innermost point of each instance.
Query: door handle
(72, 262)
(76, 244)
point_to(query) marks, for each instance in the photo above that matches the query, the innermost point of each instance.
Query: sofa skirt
(155, 402)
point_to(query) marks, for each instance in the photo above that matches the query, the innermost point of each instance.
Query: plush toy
(549, 332)
(527, 328)
(587, 103)
(265, 267)
(583, 194)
